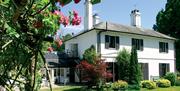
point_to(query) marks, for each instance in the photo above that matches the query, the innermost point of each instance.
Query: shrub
(134, 87)
(123, 59)
(177, 83)
(95, 74)
(134, 69)
(163, 83)
(90, 54)
(120, 85)
(171, 77)
(148, 84)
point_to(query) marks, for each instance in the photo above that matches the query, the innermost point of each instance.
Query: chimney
(88, 21)
(135, 18)
(96, 19)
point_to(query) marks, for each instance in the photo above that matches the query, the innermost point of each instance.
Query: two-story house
(156, 52)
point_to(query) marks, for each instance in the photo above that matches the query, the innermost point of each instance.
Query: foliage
(120, 84)
(171, 77)
(123, 63)
(134, 87)
(134, 69)
(25, 26)
(95, 73)
(148, 84)
(177, 83)
(62, 48)
(168, 22)
(163, 83)
(90, 54)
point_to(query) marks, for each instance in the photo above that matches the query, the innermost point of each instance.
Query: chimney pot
(96, 19)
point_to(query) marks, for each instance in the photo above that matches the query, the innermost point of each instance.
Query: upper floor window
(111, 42)
(137, 43)
(163, 47)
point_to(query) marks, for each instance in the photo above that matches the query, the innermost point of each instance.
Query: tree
(25, 25)
(90, 54)
(62, 47)
(134, 69)
(168, 22)
(96, 73)
(123, 62)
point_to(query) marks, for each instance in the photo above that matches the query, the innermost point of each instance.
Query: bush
(123, 60)
(177, 83)
(120, 85)
(148, 84)
(163, 83)
(171, 77)
(134, 87)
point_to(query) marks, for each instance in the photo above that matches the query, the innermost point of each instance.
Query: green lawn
(64, 88)
(78, 88)
(175, 88)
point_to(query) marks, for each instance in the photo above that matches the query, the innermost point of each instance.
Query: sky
(117, 11)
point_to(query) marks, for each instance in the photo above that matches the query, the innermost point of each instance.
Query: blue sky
(117, 11)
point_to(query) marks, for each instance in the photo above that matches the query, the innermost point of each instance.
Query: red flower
(50, 49)
(77, 1)
(58, 42)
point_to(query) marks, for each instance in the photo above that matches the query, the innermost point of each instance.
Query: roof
(60, 59)
(107, 26)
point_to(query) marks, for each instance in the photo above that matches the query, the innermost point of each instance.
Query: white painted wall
(84, 41)
(150, 53)
(151, 46)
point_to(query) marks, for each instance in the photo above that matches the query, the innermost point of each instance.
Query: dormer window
(111, 42)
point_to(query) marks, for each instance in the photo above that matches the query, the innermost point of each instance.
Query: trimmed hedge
(163, 83)
(148, 84)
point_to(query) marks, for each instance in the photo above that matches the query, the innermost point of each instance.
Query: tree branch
(42, 9)
(46, 67)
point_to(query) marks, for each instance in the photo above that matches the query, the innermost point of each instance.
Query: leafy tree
(96, 73)
(134, 69)
(62, 47)
(25, 25)
(90, 54)
(123, 62)
(168, 22)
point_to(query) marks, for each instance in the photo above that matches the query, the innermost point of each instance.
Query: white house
(156, 52)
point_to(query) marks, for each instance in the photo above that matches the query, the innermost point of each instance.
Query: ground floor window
(163, 69)
(145, 70)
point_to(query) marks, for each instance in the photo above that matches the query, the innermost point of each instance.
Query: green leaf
(65, 2)
(95, 1)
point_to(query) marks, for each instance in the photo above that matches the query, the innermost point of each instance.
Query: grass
(78, 88)
(174, 88)
(64, 88)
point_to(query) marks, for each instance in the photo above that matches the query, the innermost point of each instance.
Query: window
(163, 69)
(137, 43)
(145, 70)
(163, 47)
(111, 42)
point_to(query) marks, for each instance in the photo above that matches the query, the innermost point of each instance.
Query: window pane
(112, 42)
(163, 47)
(137, 43)
(117, 42)
(106, 41)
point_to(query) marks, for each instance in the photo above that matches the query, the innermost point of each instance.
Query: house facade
(156, 52)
